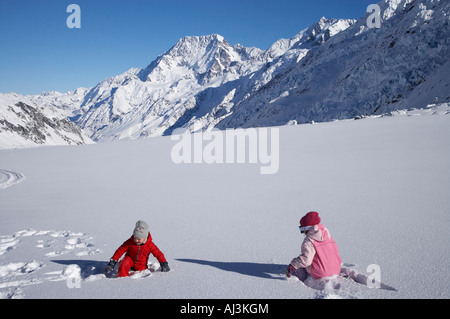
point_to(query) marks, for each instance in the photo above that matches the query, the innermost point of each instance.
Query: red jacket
(139, 253)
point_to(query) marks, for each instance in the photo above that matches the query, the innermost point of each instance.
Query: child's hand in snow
(290, 269)
(165, 266)
(110, 266)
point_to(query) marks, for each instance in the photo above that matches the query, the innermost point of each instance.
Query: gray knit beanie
(141, 230)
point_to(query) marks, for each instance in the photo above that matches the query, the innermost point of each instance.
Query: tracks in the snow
(9, 178)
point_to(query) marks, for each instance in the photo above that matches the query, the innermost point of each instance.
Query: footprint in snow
(347, 285)
(14, 276)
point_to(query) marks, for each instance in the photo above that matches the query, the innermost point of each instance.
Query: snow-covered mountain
(194, 84)
(25, 125)
(149, 101)
(361, 71)
(335, 69)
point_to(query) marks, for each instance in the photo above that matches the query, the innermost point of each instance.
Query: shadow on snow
(87, 267)
(267, 271)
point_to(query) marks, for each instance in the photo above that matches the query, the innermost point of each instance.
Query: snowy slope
(25, 124)
(380, 185)
(361, 71)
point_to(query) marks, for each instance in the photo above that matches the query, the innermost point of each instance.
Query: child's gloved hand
(290, 269)
(164, 266)
(110, 266)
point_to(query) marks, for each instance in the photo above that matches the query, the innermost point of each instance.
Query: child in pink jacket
(319, 252)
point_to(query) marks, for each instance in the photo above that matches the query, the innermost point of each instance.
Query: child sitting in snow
(138, 249)
(319, 253)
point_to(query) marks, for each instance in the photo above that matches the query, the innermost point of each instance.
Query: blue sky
(40, 53)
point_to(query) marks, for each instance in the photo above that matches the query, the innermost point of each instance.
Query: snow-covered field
(380, 185)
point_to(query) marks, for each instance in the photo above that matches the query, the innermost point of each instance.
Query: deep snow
(380, 185)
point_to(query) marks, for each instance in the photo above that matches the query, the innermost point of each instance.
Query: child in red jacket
(138, 249)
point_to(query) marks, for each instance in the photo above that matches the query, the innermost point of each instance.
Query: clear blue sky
(38, 52)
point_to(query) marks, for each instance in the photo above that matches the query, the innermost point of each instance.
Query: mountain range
(335, 69)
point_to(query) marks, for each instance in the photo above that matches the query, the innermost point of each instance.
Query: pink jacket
(319, 254)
